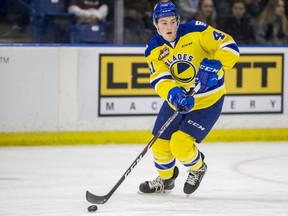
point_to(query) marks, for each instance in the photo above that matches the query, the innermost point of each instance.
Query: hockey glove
(207, 74)
(178, 97)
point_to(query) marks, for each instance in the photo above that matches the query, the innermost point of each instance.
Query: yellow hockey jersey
(177, 64)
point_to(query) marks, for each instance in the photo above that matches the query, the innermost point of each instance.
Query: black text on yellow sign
(256, 74)
(125, 75)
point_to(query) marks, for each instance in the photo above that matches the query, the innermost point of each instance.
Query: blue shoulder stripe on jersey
(192, 26)
(153, 43)
(233, 46)
(165, 166)
(154, 82)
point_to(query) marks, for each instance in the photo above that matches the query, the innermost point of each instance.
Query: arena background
(57, 95)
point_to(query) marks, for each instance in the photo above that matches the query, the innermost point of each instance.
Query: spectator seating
(89, 33)
(43, 7)
(50, 21)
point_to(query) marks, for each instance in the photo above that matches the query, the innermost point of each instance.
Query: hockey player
(179, 57)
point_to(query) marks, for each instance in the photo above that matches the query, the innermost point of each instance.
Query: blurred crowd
(92, 21)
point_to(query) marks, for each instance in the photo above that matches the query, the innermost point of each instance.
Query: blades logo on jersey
(181, 68)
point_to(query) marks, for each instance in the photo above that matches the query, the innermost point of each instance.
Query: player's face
(167, 27)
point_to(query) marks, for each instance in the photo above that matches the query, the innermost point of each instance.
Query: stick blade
(96, 199)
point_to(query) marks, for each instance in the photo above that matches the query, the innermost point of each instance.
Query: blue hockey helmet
(165, 9)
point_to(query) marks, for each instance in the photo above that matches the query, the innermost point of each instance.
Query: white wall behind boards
(107, 88)
(29, 88)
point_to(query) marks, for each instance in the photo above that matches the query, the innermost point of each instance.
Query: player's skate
(159, 185)
(194, 179)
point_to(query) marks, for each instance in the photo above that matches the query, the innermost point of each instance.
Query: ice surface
(242, 179)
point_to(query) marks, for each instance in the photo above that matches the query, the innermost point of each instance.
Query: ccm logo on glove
(207, 74)
(209, 69)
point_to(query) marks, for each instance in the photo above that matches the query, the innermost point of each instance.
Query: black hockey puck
(92, 208)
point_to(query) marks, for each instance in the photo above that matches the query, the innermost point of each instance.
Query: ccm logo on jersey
(163, 53)
(187, 44)
(195, 124)
(209, 69)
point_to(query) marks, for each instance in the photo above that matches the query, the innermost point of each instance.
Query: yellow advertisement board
(256, 74)
(254, 85)
(122, 74)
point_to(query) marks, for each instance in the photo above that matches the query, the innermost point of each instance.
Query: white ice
(242, 179)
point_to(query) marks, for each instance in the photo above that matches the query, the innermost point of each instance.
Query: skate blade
(188, 195)
(155, 193)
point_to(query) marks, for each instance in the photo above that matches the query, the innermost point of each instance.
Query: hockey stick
(92, 198)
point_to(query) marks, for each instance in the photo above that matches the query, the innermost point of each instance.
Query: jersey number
(218, 35)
